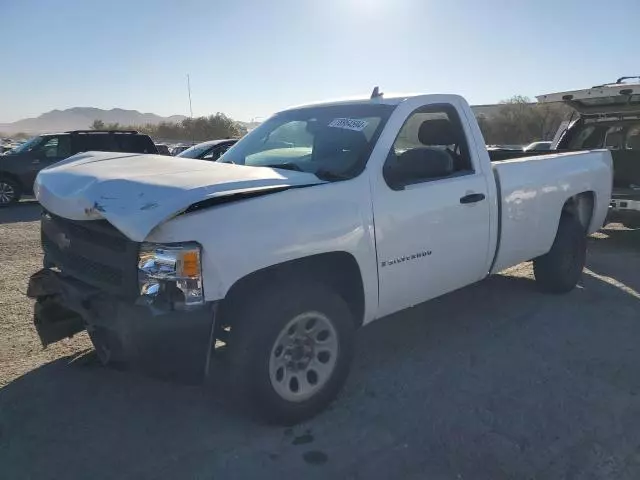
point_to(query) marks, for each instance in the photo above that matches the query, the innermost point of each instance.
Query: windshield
(27, 146)
(196, 151)
(332, 142)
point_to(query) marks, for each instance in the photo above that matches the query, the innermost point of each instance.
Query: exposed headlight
(171, 271)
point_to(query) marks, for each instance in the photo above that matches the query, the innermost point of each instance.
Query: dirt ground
(20, 256)
(493, 381)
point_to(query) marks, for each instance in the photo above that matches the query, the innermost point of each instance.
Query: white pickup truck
(321, 220)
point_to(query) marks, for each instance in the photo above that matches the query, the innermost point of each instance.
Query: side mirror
(419, 165)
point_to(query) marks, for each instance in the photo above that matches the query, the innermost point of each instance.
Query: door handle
(35, 162)
(472, 198)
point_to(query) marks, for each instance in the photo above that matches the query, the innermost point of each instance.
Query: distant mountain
(79, 118)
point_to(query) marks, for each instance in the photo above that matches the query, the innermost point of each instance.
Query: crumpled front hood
(135, 193)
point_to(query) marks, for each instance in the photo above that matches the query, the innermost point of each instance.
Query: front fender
(242, 237)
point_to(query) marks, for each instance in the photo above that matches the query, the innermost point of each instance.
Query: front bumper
(161, 342)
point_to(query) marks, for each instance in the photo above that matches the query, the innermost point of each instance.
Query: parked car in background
(211, 150)
(178, 149)
(322, 219)
(540, 146)
(19, 167)
(608, 117)
(163, 149)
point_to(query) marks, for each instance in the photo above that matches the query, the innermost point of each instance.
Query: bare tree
(520, 121)
(97, 125)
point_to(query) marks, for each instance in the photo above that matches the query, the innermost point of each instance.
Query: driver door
(432, 233)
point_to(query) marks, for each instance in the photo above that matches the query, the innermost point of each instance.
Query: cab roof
(393, 99)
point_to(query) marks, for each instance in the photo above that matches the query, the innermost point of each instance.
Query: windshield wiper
(285, 166)
(322, 174)
(331, 176)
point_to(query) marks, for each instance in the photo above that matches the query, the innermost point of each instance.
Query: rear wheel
(290, 352)
(559, 270)
(10, 192)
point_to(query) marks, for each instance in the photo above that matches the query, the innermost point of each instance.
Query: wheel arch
(581, 206)
(338, 270)
(13, 177)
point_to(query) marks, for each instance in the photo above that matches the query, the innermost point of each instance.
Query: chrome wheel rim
(7, 193)
(303, 356)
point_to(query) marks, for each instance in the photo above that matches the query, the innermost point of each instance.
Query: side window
(431, 145)
(614, 139)
(93, 142)
(133, 143)
(56, 147)
(224, 148)
(216, 152)
(50, 148)
(592, 136)
(633, 138)
(212, 154)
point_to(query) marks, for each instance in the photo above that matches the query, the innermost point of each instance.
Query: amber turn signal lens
(190, 264)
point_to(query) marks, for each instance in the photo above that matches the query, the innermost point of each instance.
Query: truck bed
(532, 192)
(499, 155)
(626, 164)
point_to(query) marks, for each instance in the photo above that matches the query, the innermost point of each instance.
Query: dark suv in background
(19, 167)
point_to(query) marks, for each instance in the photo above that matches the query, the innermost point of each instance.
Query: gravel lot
(494, 381)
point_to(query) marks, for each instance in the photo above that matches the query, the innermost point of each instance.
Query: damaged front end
(141, 306)
(53, 321)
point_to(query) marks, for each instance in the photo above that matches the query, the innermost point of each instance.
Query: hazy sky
(249, 58)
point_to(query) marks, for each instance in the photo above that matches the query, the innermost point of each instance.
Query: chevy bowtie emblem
(62, 241)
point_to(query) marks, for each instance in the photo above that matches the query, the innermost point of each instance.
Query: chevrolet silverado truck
(608, 116)
(321, 220)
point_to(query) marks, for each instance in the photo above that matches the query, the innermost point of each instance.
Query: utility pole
(190, 109)
(189, 91)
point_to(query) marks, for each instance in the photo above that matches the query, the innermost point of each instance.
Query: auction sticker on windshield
(349, 124)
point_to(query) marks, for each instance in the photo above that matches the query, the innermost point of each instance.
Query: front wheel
(559, 270)
(9, 192)
(290, 351)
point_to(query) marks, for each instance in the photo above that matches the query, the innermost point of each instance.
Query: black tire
(10, 191)
(559, 270)
(255, 329)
